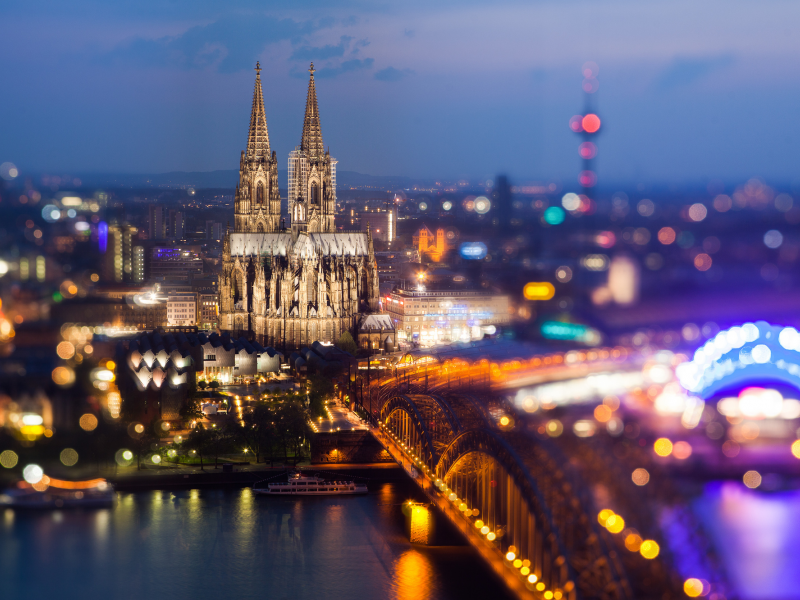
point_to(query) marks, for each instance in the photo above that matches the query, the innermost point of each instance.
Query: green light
(554, 215)
(58, 297)
(557, 330)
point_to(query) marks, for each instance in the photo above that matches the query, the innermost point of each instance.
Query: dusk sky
(688, 90)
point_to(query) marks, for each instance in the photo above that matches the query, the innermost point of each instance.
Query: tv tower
(587, 125)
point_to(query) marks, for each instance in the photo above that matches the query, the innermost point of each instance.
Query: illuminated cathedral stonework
(288, 287)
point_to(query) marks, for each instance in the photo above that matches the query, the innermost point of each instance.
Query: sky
(688, 90)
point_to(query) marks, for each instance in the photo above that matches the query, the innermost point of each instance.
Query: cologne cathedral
(290, 286)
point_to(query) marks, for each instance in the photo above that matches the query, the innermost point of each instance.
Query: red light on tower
(587, 150)
(590, 123)
(575, 123)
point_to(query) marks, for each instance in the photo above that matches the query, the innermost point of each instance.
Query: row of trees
(266, 431)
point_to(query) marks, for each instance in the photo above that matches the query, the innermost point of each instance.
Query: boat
(95, 493)
(310, 485)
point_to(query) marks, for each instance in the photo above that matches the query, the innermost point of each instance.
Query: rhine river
(215, 543)
(212, 544)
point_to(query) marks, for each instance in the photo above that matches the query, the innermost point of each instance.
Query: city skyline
(454, 91)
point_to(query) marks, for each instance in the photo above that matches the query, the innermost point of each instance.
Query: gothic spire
(258, 136)
(311, 143)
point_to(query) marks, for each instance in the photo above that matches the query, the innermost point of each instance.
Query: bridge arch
(519, 499)
(422, 422)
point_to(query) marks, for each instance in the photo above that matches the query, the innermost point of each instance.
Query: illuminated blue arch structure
(754, 351)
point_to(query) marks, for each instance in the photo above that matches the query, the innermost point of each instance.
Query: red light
(587, 178)
(575, 123)
(587, 150)
(590, 123)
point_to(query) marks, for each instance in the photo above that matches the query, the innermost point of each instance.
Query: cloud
(347, 66)
(320, 53)
(410, 33)
(392, 74)
(685, 71)
(229, 44)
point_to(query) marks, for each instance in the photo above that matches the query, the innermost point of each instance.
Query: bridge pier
(524, 587)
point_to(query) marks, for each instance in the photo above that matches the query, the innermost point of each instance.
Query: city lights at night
(399, 300)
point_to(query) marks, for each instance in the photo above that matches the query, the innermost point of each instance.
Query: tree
(199, 440)
(320, 389)
(347, 343)
(219, 440)
(291, 421)
(202, 384)
(258, 432)
(191, 408)
(214, 385)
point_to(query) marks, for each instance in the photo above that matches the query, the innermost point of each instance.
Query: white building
(182, 309)
(431, 317)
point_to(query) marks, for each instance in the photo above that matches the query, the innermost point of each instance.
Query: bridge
(555, 516)
(510, 494)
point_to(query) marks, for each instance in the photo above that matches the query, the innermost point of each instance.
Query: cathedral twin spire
(311, 181)
(311, 143)
(258, 136)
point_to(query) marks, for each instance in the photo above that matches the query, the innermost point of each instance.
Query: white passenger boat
(96, 493)
(306, 485)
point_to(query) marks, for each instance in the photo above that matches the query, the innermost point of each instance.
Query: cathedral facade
(287, 287)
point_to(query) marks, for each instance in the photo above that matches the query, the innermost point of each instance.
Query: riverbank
(173, 476)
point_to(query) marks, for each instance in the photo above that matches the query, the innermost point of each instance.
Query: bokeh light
(63, 376)
(68, 457)
(752, 479)
(682, 450)
(640, 476)
(32, 473)
(590, 123)
(698, 212)
(663, 447)
(649, 549)
(8, 459)
(796, 448)
(693, 587)
(666, 235)
(88, 422)
(554, 215)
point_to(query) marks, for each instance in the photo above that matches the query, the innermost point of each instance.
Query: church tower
(258, 201)
(312, 175)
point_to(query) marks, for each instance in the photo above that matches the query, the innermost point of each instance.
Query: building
(181, 309)
(431, 317)
(174, 263)
(156, 371)
(213, 230)
(208, 311)
(382, 222)
(430, 247)
(289, 287)
(119, 262)
(157, 222)
(376, 333)
(122, 313)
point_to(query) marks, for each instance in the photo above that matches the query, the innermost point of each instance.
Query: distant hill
(228, 178)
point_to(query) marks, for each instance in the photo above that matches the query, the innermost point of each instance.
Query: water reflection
(413, 577)
(757, 535)
(211, 544)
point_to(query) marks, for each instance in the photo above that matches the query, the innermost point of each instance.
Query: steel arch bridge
(511, 491)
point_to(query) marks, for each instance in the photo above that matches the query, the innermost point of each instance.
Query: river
(216, 543)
